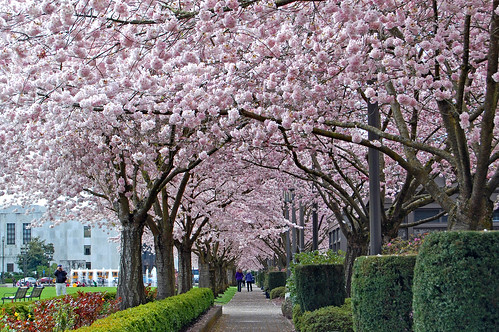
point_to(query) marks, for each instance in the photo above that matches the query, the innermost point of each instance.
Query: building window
(495, 216)
(87, 231)
(335, 240)
(26, 233)
(86, 250)
(421, 214)
(10, 267)
(11, 233)
(88, 265)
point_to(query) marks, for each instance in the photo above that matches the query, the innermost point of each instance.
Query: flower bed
(58, 314)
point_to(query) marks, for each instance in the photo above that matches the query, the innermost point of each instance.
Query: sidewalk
(251, 311)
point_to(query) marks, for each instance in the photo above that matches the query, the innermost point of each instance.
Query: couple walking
(241, 278)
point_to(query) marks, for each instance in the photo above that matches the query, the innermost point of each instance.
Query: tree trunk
(204, 275)
(130, 283)
(165, 267)
(464, 216)
(355, 247)
(184, 267)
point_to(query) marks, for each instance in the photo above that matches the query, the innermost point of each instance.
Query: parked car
(24, 281)
(195, 276)
(46, 281)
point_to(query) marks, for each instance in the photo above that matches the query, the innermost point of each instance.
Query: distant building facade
(338, 241)
(76, 246)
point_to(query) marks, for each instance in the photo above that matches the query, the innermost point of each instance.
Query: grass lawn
(49, 291)
(226, 296)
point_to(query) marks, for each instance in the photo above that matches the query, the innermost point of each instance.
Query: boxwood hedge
(382, 293)
(456, 282)
(170, 314)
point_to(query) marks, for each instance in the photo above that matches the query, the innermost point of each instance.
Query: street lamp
(24, 252)
(374, 178)
(3, 258)
(287, 199)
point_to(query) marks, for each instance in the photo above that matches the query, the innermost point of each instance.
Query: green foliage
(399, 246)
(382, 293)
(226, 296)
(329, 318)
(278, 292)
(39, 254)
(319, 286)
(57, 314)
(275, 279)
(311, 257)
(170, 314)
(456, 282)
(297, 316)
(315, 257)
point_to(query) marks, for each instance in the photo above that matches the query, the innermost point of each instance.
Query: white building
(75, 245)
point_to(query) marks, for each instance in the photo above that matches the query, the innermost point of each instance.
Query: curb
(208, 320)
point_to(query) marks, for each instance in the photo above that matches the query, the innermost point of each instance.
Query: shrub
(319, 286)
(456, 282)
(278, 292)
(329, 318)
(170, 314)
(297, 316)
(399, 246)
(311, 258)
(57, 314)
(382, 293)
(276, 279)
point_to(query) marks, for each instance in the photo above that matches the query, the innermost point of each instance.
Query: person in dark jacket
(60, 280)
(249, 281)
(239, 279)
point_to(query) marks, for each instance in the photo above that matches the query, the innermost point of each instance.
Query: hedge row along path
(251, 311)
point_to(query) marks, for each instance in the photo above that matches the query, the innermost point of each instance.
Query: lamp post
(3, 258)
(24, 252)
(374, 186)
(287, 200)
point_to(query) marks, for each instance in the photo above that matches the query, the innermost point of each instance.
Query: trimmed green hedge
(456, 282)
(330, 318)
(382, 293)
(274, 280)
(170, 314)
(319, 286)
(278, 292)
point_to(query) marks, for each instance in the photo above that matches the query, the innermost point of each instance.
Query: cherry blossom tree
(431, 67)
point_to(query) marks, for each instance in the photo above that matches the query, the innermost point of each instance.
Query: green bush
(329, 318)
(297, 316)
(382, 293)
(319, 286)
(278, 292)
(311, 258)
(456, 282)
(276, 279)
(170, 314)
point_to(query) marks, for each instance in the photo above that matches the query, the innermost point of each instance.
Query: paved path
(251, 311)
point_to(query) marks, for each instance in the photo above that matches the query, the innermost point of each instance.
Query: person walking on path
(60, 280)
(251, 312)
(249, 281)
(239, 279)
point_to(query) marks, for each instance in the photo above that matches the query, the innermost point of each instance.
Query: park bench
(35, 293)
(18, 295)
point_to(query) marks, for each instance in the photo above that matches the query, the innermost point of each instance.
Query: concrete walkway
(251, 311)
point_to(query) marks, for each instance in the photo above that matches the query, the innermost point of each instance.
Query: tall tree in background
(38, 254)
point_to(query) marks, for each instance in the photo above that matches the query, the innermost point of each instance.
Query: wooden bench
(19, 295)
(35, 293)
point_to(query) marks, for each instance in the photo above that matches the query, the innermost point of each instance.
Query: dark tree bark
(130, 285)
(184, 267)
